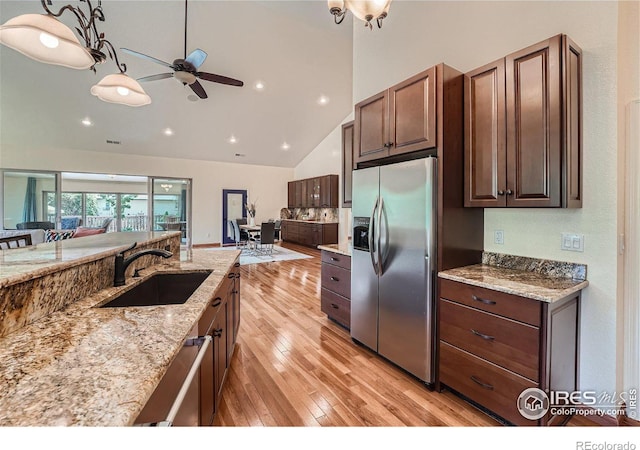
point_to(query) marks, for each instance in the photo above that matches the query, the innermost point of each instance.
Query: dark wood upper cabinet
(316, 192)
(484, 127)
(347, 163)
(523, 137)
(401, 119)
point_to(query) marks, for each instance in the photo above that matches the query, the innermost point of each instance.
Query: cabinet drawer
(336, 279)
(491, 386)
(517, 308)
(336, 307)
(507, 343)
(336, 259)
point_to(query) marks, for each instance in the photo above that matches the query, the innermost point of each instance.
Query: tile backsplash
(318, 214)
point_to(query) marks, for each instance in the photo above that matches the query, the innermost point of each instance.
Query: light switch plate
(498, 237)
(572, 242)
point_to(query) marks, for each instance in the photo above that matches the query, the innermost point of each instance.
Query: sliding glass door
(170, 209)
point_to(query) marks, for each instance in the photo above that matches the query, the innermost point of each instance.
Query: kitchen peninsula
(79, 364)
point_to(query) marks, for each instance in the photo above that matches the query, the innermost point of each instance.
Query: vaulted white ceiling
(293, 47)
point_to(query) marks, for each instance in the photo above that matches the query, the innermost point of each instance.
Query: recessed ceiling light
(259, 85)
(285, 146)
(323, 100)
(87, 122)
(232, 139)
(168, 132)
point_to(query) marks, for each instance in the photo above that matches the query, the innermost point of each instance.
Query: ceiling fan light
(45, 39)
(121, 88)
(184, 77)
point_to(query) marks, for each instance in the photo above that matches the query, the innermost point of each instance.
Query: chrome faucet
(122, 263)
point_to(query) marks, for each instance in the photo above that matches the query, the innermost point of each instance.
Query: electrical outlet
(572, 242)
(498, 237)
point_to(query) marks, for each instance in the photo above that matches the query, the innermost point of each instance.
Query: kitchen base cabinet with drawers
(494, 345)
(335, 295)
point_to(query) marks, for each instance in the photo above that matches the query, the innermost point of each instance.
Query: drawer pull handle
(483, 300)
(334, 279)
(334, 306)
(231, 275)
(335, 259)
(483, 336)
(484, 385)
(216, 302)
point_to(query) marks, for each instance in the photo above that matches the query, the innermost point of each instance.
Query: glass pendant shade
(120, 88)
(367, 9)
(44, 38)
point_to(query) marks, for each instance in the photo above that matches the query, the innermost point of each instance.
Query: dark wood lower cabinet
(221, 321)
(310, 234)
(493, 346)
(335, 295)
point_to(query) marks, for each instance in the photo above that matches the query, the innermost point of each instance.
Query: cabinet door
(485, 136)
(412, 113)
(300, 193)
(371, 128)
(313, 192)
(291, 194)
(347, 163)
(534, 128)
(329, 191)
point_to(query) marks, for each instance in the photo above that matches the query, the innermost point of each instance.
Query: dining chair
(263, 243)
(240, 237)
(277, 229)
(17, 241)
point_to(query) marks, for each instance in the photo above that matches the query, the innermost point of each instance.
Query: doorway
(233, 201)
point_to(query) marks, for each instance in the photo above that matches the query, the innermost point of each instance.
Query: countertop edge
(335, 248)
(561, 294)
(63, 265)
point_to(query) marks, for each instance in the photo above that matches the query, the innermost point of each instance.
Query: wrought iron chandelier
(366, 10)
(44, 38)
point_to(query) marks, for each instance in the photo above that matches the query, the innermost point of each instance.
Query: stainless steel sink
(160, 289)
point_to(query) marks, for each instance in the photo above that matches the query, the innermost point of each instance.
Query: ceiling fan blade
(159, 76)
(147, 57)
(196, 57)
(219, 79)
(198, 89)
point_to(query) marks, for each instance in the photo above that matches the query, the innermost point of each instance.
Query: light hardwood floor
(294, 367)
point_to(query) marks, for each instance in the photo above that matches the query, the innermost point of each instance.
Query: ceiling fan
(185, 69)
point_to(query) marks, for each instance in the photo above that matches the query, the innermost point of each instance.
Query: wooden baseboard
(215, 244)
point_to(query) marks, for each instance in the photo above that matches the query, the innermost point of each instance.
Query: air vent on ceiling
(109, 141)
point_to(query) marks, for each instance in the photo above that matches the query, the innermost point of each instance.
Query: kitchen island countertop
(92, 366)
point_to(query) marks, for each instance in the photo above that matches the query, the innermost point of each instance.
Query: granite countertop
(93, 366)
(342, 248)
(538, 279)
(22, 264)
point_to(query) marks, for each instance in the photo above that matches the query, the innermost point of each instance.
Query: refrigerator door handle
(372, 241)
(379, 231)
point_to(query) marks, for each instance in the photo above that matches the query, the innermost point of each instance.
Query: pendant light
(365, 10)
(44, 38)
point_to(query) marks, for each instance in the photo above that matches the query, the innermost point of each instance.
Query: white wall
(326, 159)
(266, 184)
(465, 35)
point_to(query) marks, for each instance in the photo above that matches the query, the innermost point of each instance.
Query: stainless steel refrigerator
(393, 262)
